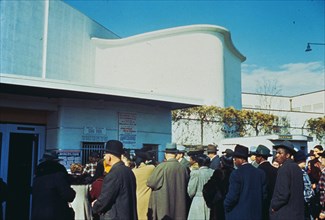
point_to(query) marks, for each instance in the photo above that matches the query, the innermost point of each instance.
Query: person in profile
(117, 199)
(51, 190)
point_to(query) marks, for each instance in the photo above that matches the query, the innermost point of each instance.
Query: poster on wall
(127, 124)
(69, 157)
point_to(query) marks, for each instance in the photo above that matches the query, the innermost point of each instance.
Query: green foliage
(317, 127)
(235, 121)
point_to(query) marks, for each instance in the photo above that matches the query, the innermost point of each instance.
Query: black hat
(287, 145)
(300, 156)
(228, 152)
(261, 150)
(50, 155)
(171, 148)
(241, 151)
(145, 155)
(114, 147)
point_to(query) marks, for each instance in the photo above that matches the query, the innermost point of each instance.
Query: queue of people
(186, 185)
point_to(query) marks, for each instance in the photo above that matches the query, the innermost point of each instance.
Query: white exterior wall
(311, 102)
(184, 63)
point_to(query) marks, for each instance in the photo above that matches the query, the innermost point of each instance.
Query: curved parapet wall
(182, 62)
(67, 51)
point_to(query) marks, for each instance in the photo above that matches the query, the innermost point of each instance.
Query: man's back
(246, 190)
(118, 194)
(169, 187)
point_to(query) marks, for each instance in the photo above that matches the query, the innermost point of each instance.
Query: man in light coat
(288, 196)
(169, 188)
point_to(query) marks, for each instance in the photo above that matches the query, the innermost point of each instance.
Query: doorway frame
(6, 129)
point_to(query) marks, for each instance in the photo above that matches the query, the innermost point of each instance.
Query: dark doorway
(22, 154)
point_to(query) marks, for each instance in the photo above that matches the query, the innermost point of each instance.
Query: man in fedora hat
(261, 155)
(214, 158)
(181, 156)
(288, 196)
(168, 182)
(117, 199)
(247, 189)
(51, 190)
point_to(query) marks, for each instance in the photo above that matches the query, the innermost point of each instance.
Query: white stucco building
(69, 84)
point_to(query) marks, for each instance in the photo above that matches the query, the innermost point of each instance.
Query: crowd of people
(197, 184)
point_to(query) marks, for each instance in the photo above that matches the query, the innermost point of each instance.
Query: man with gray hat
(261, 155)
(181, 156)
(117, 199)
(168, 182)
(288, 196)
(214, 158)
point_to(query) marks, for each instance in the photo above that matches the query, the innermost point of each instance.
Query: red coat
(96, 188)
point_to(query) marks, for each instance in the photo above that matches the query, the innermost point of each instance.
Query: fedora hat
(300, 156)
(181, 149)
(287, 145)
(114, 147)
(212, 149)
(145, 155)
(228, 152)
(261, 150)
(241, 151)
(50, 155)
(196, 150)
(171, 148)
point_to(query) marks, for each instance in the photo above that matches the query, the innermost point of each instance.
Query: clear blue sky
(272, 34)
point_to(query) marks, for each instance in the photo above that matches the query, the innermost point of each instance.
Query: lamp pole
(309, 48)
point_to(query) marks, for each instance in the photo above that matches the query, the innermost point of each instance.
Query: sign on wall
(69, 157)
(94, 134)
(127, 123)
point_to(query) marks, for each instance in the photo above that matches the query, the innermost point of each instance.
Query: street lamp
(309, 48)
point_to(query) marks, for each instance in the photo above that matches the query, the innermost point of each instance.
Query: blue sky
(273, 35)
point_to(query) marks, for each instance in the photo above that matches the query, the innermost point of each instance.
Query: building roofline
(172, 32)
(284, 96)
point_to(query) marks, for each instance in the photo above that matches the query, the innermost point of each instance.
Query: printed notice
(128, 129)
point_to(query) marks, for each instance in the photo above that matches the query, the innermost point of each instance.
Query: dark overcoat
(51, 192)
(168, 182)
(288, 196)
(247, 191)
(215, 163)
(117, 199)
(271, 173)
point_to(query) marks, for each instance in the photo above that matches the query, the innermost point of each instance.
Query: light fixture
(309, 48)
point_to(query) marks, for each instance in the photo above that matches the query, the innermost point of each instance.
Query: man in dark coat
(288, 196)
(215, 159)
(51, 190)
(261, 155)
(247, 189)
(117, 199)
(168, 182)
